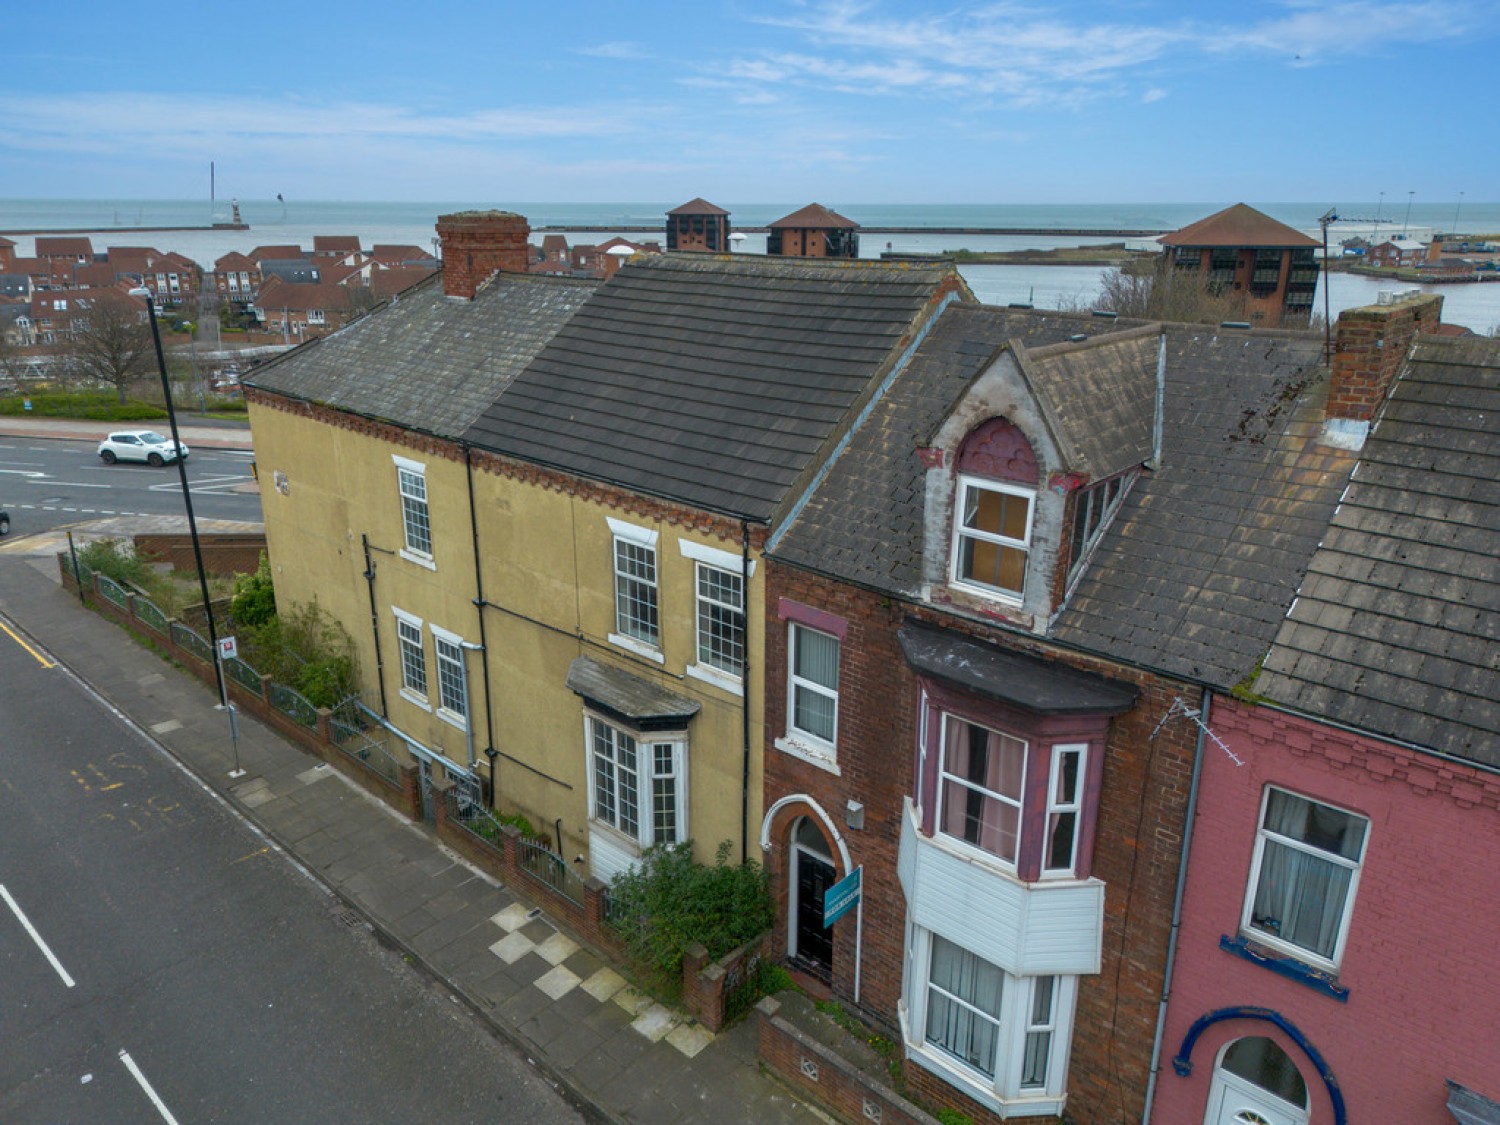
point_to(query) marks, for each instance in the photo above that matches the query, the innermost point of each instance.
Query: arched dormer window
(996, 502)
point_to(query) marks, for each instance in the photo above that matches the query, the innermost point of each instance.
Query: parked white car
(140, 445)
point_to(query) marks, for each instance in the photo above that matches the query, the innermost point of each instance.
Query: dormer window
(992, 537)
(994, 509)
(1092, 509)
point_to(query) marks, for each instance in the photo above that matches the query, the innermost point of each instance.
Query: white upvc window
(413, 657)
(637, 612)
(982, 776)
(315, 316)
(1064, 809)
(416, 524)
(992, 537)
(637, 783)
(813, 687)
(1303, 877)
(452, 678)
(721, 619)
(1003, 1038)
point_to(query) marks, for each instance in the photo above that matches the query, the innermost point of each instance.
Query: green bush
(113, 559)
(254, 601)
(97, 406)
(305, 649)
(671, 902)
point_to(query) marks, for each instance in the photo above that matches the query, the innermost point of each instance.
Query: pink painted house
(1333, 961)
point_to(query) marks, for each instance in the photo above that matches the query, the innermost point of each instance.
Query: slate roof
(1199, 565)
(1396, 629)
(1240, 225)
(709, 379)
(814, 217)
(425, 361)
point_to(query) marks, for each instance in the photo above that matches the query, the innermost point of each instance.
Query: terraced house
(539, 507)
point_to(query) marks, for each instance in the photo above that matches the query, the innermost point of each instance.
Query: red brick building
(1266, 268)
(814, 232)
(698, 225)
(991, 630)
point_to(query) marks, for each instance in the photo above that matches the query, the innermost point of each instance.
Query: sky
(834, 100)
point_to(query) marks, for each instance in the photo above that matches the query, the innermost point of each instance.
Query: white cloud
(1155, 94)
(617, 50)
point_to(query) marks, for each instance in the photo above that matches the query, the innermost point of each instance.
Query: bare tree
(111, 343)
(1165, 296)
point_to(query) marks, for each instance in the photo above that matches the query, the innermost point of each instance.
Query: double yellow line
(40, 658)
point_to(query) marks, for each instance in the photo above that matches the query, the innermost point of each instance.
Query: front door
(812, 874)
(1256, 1083)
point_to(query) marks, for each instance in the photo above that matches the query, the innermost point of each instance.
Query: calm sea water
(125, 222)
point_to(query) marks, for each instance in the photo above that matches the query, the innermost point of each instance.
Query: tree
(111, 342)
(1165, 296)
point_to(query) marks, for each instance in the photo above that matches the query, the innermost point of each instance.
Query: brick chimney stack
(1371, 344)
(477, 244)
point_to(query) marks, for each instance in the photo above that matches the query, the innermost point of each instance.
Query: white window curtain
(963, 1005)
(815, 665)
(1303, 889)
(982, 777)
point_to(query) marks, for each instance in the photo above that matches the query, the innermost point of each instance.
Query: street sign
(229, 648)
(840, 898)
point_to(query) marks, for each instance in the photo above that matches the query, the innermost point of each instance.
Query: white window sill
(640, 648)
(989, 593)
(421, 560)
(722, 680)
(453, 719)
(412, 697)
(823, 759)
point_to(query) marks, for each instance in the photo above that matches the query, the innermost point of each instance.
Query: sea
(923, 228)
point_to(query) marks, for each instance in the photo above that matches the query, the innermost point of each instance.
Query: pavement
(619, 1055)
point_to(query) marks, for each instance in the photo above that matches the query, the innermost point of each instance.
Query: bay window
(636, 785)
(982, 775)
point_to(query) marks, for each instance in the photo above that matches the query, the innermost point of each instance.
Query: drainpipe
(1182, 869)
(484, 645)
(369, 577)
(745, 698)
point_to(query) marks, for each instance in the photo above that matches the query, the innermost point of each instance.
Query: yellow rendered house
(538, 504)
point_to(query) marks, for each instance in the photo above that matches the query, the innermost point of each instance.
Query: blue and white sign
(842, 897)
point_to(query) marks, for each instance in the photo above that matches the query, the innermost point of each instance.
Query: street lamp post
(187, 502)
(192, 331)
(1406, 221)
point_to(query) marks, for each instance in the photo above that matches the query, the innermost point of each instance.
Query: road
(46, 483)
(161, 961)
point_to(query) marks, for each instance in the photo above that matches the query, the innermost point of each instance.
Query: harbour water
(128, 223)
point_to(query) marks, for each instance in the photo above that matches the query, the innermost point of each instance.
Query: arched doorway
(810, 874)
(1256, 1083)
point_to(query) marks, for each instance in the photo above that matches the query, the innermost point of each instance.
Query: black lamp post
(187, 496)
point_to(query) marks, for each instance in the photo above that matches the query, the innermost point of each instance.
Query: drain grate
(350, 919)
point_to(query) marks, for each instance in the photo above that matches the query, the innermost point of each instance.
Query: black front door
(814, 942)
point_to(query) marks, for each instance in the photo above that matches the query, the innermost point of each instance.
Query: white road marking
(50, 483)
(135, 1072)
(23, 472)
(36, 937)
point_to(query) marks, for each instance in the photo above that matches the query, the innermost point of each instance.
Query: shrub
(671, 902)
(114, 560)
(305, 649)
(254, 601)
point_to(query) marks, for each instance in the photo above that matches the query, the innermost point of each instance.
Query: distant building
(698, 225)
(1265, 266)
(814, 232)
(1397, 252)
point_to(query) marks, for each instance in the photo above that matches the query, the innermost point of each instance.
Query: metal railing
(150, 614)
(184, 637)
(110, 590)
(242, 674)
(352, 730)
(293, 704)
(544, 865)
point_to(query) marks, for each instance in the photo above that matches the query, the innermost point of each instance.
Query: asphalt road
(47, 483)
(161, 961)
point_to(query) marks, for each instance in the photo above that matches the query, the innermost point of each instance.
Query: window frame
(1011, 863)
(647, 771)
(1252, 888)
(416, 512)
(1004, 1088)
(810, 742)
(1075, 808)
(706, 602)
(642, 539)
(458, 717)
(411, 652)
(744, 570)
(960, 532)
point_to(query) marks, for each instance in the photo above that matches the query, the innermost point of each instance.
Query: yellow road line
(252, 855)
(38, 657)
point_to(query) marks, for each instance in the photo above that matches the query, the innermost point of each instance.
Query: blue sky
(886, 101)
